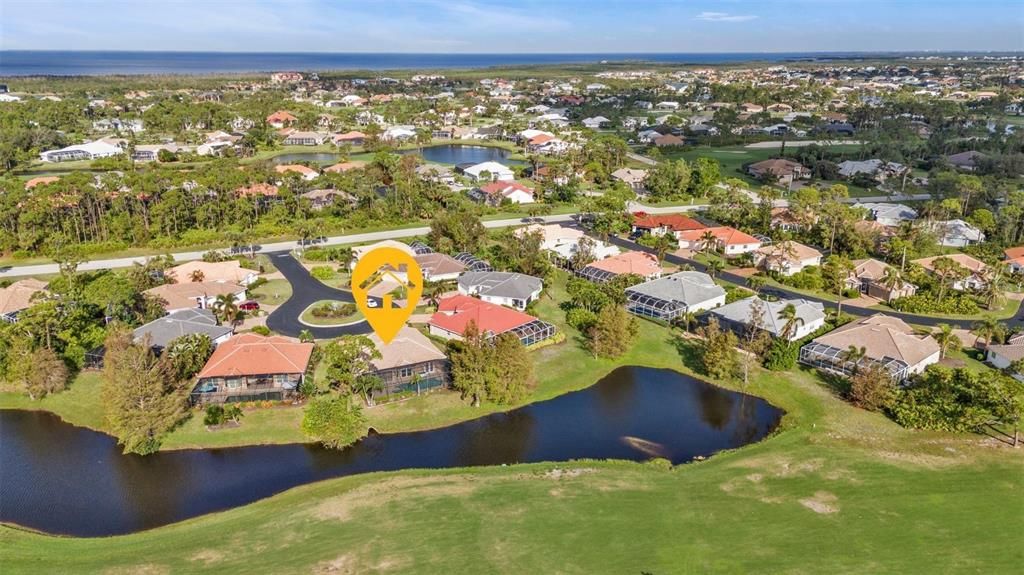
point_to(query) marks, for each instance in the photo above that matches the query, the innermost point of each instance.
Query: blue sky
(522, 26)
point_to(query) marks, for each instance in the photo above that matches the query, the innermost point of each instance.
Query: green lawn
(274, 292)
(308, 317)
(837, 490)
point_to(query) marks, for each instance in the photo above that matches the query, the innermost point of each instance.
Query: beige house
(886, 342)
(976, 269)
(409, 363)
(868, 277)
(230, 271)
(787, 258)
(785, 171)
(192, 295)
(631, 177)
(17, 297)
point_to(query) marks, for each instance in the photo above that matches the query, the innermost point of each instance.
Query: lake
(63, 479)
(454, 154)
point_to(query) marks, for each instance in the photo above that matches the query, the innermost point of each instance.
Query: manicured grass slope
(839, 491)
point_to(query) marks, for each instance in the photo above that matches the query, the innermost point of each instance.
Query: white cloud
(723, 17)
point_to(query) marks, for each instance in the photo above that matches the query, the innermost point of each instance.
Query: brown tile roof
(184, 295)
(409, 347)
(1014, 253)
(971, 263)
(882, 336)
(18, 295)
(342, 167)
(40, 181)
(253, 354)
(796, 251)
(227, 271)
(257, 190)
(436, 264)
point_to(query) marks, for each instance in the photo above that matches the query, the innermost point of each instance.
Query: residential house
(784, 171)
(1002, 356)
(889, 214)
(502, 288)
(738, 316)
(727, 240)
(192, 295)
(117, 125)
(957, 233)
(260, 192)
(305, 172)
(300, 138)
(887, 342)
(102, 148)
(668, 297)
(633, 178)
(151, 152)
(596, 122)
(642, 264)
(281, 119)
(668, 140)
(438, 267)
(320, 199)
(251, 367)
(409, 363)
(455, 313)
(563, 241)
(162, 331)
(968, 161)
(496, 193)
(660, 224)
(868, 277)
(1015, 259)
(787, 257)
(436, 173)
(489, 172)
(398, 133)
(351, 138)
(18, 297)
(878, 169)
(230, 271)
(976, 270)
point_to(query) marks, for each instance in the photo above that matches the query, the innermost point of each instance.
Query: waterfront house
(162, 331)
(303, 138)
(738, 316)
(455, 313)
(502, 288)
(352, 138)
(305, 172)
(102, 148)
(18, 297)
(669, 297)
(489, 172)
(342, 167)
(887, 342)
(250, 367)
(787, 257)
(410, 362)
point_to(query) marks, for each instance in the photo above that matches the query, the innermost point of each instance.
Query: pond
(326, 158)
(455, 154)
(59, 478)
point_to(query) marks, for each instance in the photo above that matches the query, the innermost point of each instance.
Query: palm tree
(306, 336)
(854, 354)
(225, 308)
(662, 244)
(946, 339)
(992, 292)
(707, 241)
(792, 320)
(757, 281)
(988, 328)
(715, 266)
(892, 280)
(685, 319)
(415, 380)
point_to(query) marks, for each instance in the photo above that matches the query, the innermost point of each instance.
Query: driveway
(307, 290)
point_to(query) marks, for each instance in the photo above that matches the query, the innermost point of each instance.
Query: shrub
(872, 389)
(315, 254)
(323, 273)
(261, 329)
(581, 319)
(333, 421)
(781, 355)
(259, 282)
(214, 415)
(808, 278)
(733, 294)
(333, 310)
(960, 304)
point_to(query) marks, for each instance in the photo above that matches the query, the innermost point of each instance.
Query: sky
(489, 26)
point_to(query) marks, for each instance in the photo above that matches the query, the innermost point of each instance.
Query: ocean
(99, 63)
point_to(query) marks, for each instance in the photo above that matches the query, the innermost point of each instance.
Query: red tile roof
(674, 222)
(253, 354)
(640, 263)
(726, 235)
(504, 188)
(257, 190)
(454, 314)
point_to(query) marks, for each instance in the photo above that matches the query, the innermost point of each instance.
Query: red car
(250, 305)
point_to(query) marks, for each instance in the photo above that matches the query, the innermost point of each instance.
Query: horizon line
(892, 51)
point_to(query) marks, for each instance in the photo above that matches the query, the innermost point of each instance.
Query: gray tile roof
(500, 284)
(689, 288)
(182, 322)
(740, 312)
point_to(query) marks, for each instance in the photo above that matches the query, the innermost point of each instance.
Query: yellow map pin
(387, 284)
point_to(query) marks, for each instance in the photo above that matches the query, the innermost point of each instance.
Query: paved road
(44, 269)
(306, 290)
(642, 159)
(1016, 321)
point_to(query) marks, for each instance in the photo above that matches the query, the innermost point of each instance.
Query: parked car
(249, 305)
